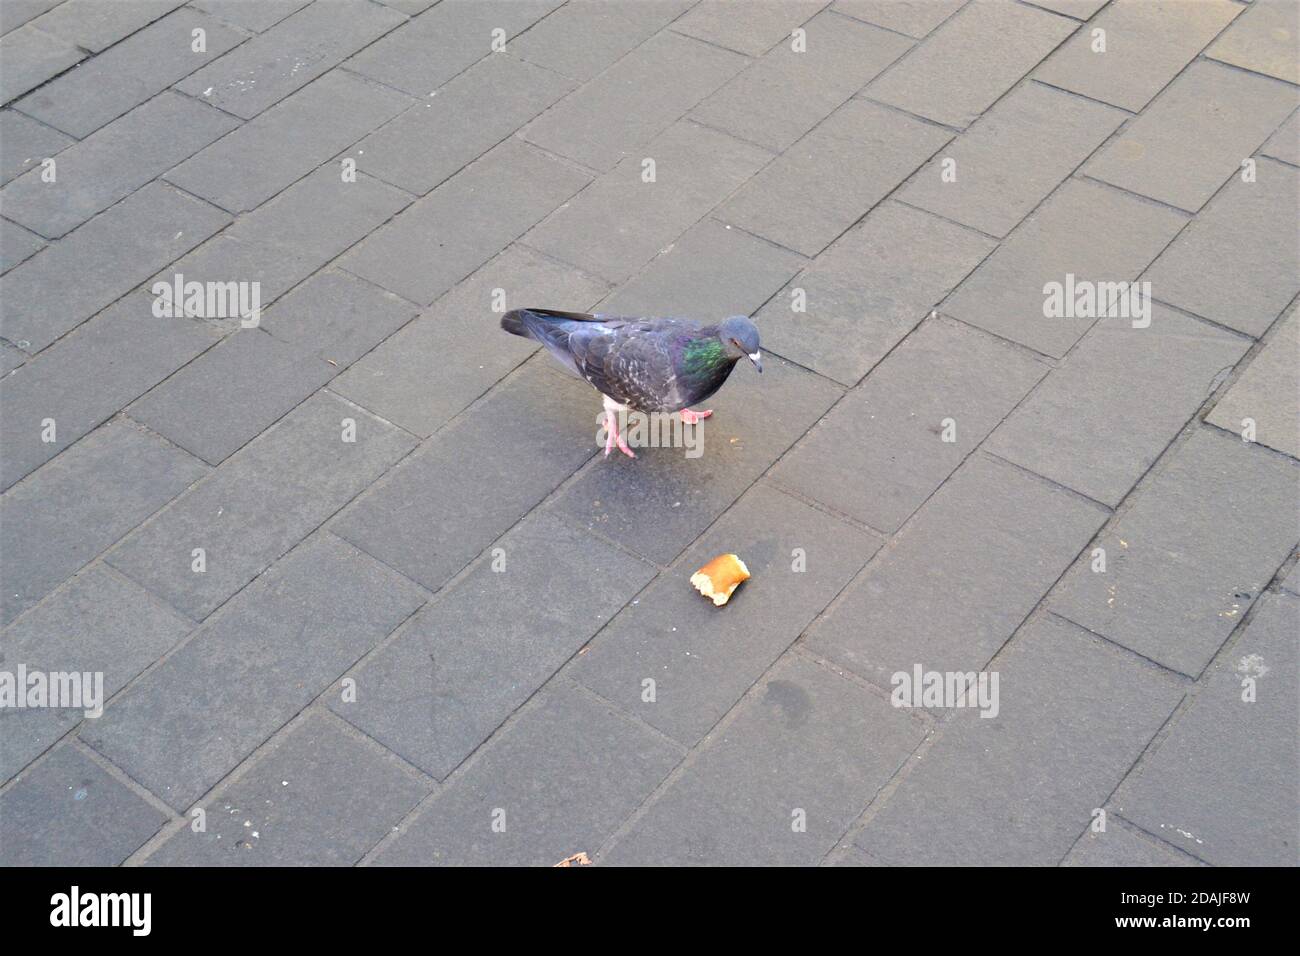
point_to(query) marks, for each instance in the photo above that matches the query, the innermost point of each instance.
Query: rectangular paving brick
(394, 380)
(10, 358)
(1096, 234)
(110, 164)
(93, 25)
(916, 18)
(87, 377)
(464, 222)
(880, 452)
(316, 797)
(338, 317)
(1225, 752)
(1017, 789)
(467, 117)
(288, 56)
(51, 527)
(17, 12)
(566, 773)
(100, 261)
(29, 57)
(702, 663)
(970, 61)
(1265, 393)
(422, 55)
(751, 32)
(192, 719)
(259, 504)
(1248, 290)
(1118, 846)
(824, 183)
(17, 245)
(620, 112)
(1079, 9)
(1040, 132)
(1283, 145)
(1148, 42)
(1175, 586)
(24, 143)
(477, 477)
(583, 37)
(1262, 41)
(130, 72)
(806, 746)
(1195, 134)
(477, 653)
(256, 17)
(288, 141)
(68, 811)
(786, 93)
(868, 290)
(1098, 422)
(98, 623)
(992, 540)
(657, 504)
(220, 402)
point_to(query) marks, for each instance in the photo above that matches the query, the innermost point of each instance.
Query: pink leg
(612, 435)
(693, 418)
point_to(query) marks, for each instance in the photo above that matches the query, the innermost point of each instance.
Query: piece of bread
(720, 577)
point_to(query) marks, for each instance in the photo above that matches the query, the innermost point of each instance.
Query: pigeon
(646, 365)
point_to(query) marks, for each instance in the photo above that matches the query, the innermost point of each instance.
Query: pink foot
(612, 435)
(694, 418)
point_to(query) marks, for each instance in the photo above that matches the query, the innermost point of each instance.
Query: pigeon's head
(740, 339)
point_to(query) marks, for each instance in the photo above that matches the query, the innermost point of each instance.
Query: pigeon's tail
(513, 322)
(548, 327)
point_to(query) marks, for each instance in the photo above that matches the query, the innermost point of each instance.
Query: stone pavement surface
(361, 588)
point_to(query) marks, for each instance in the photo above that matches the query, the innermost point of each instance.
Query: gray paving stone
(470, 659)
(750, 28)
(970, 61)
(879, 454)
(411, 7)
(196, 716)
(25, 142)
(10, 358)
(394, 380)
(94, 25)
(712, 271)
(51, 527)
(1283, 145)
(1148, 42)
(1292, 581)
(1175, 586)
(338, 317)
(87, 377)
(15, 13)
(916, 18)
(1266, 391)
(17, 245)
(1248, 289)
(288, 56)
(464, 222)
(467, 117)
(100, 261)
(29, 57)
(583, 37)
(619, 113)
(805, 740)
(1119, 846)
(960, 577)
(98, 623)
(425, 53)
(785, 94)
(1017, 789)
(1086, 230)
(316, 797)
(1263, 40)
(259, 504)
(703, 659)
(284, 241)
(1040, 132)
(869, 289)
(1079, 9)
(824, 183)
(657, 504)
(257, 16)
(566, 773)
(129, 73)
(1099, 421)
(1226, 753)
(477, 477)
(110, 164)
(220, 402)
(621, 221)
(67, 811)
(1195, 134)
(288, 141)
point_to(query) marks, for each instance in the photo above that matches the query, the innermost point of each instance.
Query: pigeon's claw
(694, 418)
(612, 435)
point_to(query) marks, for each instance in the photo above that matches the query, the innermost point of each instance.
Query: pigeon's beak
(757, 359)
